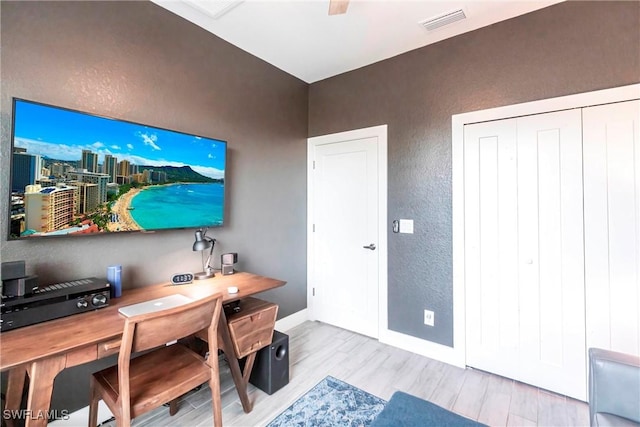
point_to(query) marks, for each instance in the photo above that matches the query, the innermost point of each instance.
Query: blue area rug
(404, 410)
(331, 403)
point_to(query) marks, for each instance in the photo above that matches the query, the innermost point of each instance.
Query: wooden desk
(44, 350)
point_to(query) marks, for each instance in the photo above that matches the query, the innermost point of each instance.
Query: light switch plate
(406, 226)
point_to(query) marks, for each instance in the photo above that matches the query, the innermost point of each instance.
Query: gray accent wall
(567, 48)
(136, 61)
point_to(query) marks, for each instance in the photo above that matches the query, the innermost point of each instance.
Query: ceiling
(299, 36)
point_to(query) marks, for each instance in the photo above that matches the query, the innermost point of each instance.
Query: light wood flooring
(317, 350)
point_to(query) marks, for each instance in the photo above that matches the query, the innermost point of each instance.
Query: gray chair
(614, 388)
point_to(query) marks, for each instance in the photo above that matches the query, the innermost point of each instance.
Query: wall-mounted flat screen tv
(74, 173)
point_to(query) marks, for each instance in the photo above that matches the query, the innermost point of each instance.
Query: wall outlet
(429, 318)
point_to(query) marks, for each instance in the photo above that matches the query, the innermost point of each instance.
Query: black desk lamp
(203, 242)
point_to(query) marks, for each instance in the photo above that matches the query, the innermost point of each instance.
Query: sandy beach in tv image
(123, 221)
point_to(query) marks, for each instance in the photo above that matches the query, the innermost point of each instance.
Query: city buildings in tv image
(75, 173)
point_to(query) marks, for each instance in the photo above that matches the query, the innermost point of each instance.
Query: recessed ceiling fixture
(442, 20)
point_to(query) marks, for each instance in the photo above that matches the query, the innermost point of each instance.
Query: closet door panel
(491, 236)
(612, 225)
(552, 328)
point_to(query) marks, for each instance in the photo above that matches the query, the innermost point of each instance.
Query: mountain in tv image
(181, 174)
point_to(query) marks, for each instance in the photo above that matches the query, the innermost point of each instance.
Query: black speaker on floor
(271, 369)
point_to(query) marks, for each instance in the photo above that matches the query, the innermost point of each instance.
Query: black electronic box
(42, 303)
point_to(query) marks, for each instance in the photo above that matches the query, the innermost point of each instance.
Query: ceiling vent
(442, 20)
(214, 8)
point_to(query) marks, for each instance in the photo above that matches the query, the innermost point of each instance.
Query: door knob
(371, 246)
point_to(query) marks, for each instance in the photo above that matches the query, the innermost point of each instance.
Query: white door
(524, 250)
(491, 247)
(612, 225)
(551, 252)
(345, 240)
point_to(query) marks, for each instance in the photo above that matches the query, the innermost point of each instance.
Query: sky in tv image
(62, 134)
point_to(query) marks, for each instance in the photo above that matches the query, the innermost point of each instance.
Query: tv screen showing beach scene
(75, 174)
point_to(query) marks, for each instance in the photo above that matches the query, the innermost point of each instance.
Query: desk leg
(248, 367)
(236, 374)
(15, 388)
(41, 376)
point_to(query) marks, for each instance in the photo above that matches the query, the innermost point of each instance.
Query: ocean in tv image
(165, 206)
(74, 173)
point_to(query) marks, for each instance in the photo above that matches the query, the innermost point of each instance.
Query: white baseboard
(292, 320)
(419, 346)
(422, 347)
